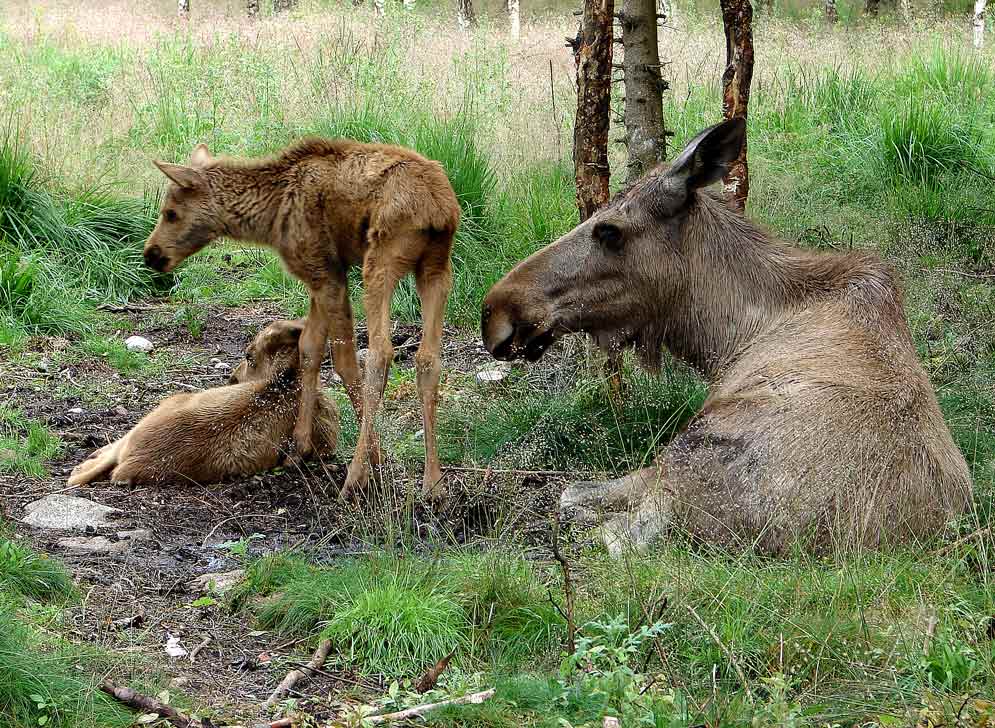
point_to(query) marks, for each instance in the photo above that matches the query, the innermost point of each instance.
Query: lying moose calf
(821, 426)
(210, 436)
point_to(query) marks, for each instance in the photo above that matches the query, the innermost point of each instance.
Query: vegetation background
(872, 134)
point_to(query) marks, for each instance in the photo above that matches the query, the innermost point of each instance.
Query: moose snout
(155, 259)
(498, 332)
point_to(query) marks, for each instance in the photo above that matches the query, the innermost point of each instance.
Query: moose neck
(734, 282)
(249, 196)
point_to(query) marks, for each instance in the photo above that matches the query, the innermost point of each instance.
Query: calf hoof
(433, 488)
(355, 482)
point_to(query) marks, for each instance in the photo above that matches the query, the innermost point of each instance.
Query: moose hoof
(636, 531)
(354, 483)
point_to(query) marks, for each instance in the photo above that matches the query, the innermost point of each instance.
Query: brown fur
(820, 426)
(210, 436)
(325, 206)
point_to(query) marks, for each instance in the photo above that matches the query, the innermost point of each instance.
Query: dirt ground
(193, 528)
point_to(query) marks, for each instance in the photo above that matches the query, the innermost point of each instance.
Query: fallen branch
(509, 471)
(146, 704)
(725, 651)
(420, 710)
(196, 650)
(568, 588)
(282, 723)
(431, 676)
(969, 537)
(320, 655)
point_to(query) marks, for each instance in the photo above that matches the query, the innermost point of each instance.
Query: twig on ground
(725, 651)
(282, 723)
(196, 650)
(508, 471)
(320, 655)
(126, 308)
(973, 535)
(146, 704)
(431, 676)
(962, 273)
(568, 587)
(420, 710)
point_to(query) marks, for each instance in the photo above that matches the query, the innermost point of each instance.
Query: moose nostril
(154, 258)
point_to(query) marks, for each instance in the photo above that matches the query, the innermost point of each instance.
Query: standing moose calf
(821, 426)
(324, 206)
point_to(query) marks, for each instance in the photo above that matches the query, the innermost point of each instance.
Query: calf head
(189, 218)
(607, 276)
(271, 354)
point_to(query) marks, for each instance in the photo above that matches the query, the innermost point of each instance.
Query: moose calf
(821, 426)
(221, 433)
(324, 206)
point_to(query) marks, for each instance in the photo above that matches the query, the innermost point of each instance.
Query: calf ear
(186, 177)
(200, 156)
(707, 157)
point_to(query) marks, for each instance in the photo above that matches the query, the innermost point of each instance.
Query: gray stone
(217, 583)
(67, 512)
(93, 545)
(139, 343)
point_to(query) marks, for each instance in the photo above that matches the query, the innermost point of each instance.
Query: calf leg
(380, 277)
(312, 345)
(433, 280)
(641, 527)
(583, 501)
(99, 464)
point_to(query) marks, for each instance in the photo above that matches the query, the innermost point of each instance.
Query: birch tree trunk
(465, 17)
(832, 15)
(737, 19)
(515, 18)
(905, 10)
(871, 7)
(667, 10)
(644, 131)
(593, 54)
(979, 23)
(252, 8)
(183, 8)
(281, 5)
(380, 6)
(409, 4)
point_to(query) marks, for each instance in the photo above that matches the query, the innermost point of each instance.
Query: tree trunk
(465, 17)
(183, 8)
(409, 4)
(871, 7)
(766, 7)
(281, 5)
(515, 18)
(593, 54)
(979, 23)
(737, 19)
(252, 8)
(832, 15)
(380, 6)
(905, 10)
(644, 131)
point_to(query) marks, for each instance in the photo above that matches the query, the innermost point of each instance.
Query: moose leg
(100, 463)
(638, 529)
(433, 280)
(379, 280)
(583, 501)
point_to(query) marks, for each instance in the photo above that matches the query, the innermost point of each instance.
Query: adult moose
(324, 206)
(821, 427)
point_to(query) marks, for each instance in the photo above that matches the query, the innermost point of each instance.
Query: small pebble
(76, 411)
(222, 366)
(490, 375)
(138, 343)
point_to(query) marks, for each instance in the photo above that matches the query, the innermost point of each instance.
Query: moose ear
(185, 177)
(707, 157)
(200, 156)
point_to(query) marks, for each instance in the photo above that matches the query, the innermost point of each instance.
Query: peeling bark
(465, 17)
(252, 8)
(593, 55)
(871, 7)
(832, 14)
(644, 130)
(979, 23)
(183, 8)
(515, 18)
(737, 19)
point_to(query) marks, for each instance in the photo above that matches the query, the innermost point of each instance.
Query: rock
(490, 375)
(214, 360)
(362, 355)
(217, 583)
(222, 366)
(420, 435)
(173, 648)
(93, 545)
(138, 343)
(44, 364)
(67, 512)
(179, 682)
(138, 534)
(76, 411)
(120, 411)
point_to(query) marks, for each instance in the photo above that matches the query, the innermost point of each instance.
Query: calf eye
(170, 216)
(609, 235)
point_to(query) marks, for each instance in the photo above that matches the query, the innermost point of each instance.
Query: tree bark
(832, 15)
(593, 55)
(380, 6)
(737, 19)
(515, 18)
(767, 7)
(252, 8)
(644, 131)
(979, 23)
(905, 10)
(871, 7)
(183, 8)
(409, 4)
(465, 17)
(281, 5)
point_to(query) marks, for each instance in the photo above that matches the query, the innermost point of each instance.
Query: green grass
(25, 444)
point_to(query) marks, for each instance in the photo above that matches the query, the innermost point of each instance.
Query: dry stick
(146, 704)
(196, 650)
(568, 587)
(419, 710)
(976, 534)
(320, 655)
(725, 651)
(511, 471)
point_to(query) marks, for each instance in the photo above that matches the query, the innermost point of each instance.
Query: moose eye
(609, 235)
(170, 216)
